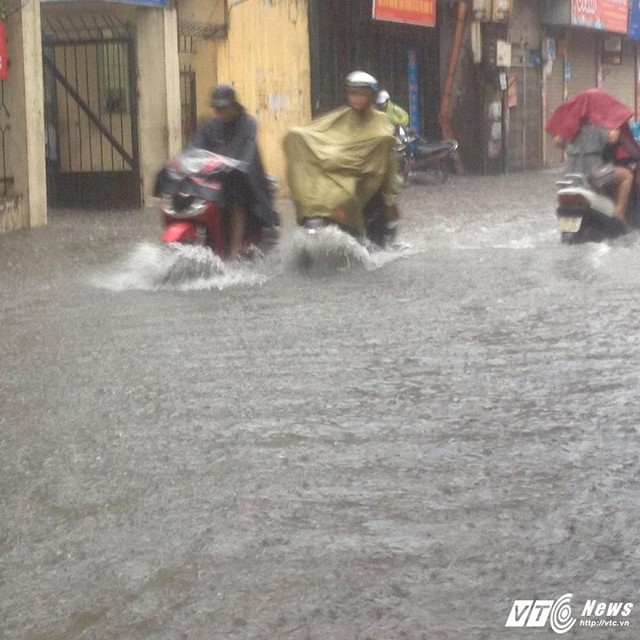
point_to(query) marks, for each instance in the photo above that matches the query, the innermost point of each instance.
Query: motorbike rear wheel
(443, 170)
(437, 174)
(404, 172)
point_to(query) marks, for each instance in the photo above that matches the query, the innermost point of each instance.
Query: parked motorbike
(418, 156)
(190, 192)
(586, 215)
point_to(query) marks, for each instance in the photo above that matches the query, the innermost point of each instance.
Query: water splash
(331, 250)
(152, 267)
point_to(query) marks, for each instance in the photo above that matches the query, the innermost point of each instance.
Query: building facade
(523, 62)
(91, 102)
(125, 84)
(577, 57)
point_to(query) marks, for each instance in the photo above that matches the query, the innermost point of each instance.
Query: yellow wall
(159, 91)
(266, 58)
(203, 63)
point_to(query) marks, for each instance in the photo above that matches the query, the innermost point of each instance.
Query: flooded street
(383, 447)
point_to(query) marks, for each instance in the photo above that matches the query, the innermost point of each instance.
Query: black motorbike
(421, 158)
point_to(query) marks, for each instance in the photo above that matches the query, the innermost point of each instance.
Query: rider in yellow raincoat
(343, 163)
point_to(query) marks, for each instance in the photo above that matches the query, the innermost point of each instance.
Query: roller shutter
(582, 51)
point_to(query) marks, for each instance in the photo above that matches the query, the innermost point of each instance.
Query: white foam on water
(598, 251)
(619, 257)
(331, 250)
(152, 267)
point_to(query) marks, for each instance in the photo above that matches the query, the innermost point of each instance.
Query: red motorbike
(190, 192)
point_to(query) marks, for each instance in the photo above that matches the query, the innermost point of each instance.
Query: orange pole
(4, 63)
(445, 104)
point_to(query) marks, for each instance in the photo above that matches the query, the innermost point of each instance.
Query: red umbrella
(593, 106)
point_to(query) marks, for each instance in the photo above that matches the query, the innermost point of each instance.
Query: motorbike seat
(430, 148)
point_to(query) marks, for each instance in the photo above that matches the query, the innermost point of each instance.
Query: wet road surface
(386, 447)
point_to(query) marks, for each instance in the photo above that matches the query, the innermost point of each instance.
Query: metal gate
(91, 115)
(6, 181)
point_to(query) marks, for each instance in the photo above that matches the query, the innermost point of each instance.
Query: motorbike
(377, 233)
(594, 123)
(190, 192)
(585, 214)
(418, 156)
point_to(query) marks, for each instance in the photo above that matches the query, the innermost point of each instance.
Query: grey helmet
(223, 95)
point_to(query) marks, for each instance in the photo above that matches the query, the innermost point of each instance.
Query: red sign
(4, 66)
(422, 12)
(606, 15)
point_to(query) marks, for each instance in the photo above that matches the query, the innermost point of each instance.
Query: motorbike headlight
(197, 206)
(166, 205)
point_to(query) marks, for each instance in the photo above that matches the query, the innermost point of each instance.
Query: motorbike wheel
(567, 237)
(443, 171)
(202, 237)
(404, 173)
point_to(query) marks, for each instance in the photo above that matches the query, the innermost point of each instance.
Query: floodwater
(387, 446)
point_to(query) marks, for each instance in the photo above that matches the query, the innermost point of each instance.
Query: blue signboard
(634, 21)
(414, 91)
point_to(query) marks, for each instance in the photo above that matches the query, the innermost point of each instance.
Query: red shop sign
(606, 15)
(422, 12)
(4, 66)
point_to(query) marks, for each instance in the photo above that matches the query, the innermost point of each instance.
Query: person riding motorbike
(624, 167)
(342, 166)
(593, 127)
(396, 114)
(247, 200)
(589, 149)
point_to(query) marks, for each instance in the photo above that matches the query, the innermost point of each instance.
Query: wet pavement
(381, 447)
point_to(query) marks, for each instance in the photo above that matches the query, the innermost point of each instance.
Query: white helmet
(362, 80)
(383, 98)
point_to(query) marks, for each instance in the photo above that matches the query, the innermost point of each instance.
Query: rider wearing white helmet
(361, 90)
(397, 115)
(343, 166)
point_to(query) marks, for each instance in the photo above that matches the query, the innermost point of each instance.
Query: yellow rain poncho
(338, 162)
